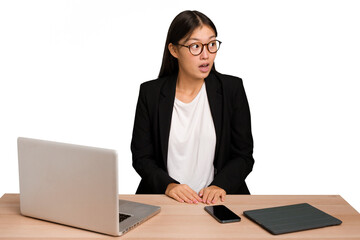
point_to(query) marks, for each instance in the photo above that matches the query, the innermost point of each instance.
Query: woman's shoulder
(151, 84)
(230, 84)
(155, 84)
(232, 88)
(228, 79)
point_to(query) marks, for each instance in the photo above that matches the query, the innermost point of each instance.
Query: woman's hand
(182, 193)
(211, 194)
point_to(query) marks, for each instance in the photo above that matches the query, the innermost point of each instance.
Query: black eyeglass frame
(202, 46)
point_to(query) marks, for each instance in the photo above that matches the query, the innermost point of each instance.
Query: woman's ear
(173, 50)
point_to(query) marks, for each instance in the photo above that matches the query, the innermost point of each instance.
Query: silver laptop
(76, 186)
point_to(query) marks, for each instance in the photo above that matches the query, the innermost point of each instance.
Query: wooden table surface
(185, 221)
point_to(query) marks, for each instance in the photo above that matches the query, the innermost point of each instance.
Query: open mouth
(204, 67)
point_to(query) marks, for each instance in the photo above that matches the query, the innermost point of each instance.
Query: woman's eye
(195, 46)
(212, 44)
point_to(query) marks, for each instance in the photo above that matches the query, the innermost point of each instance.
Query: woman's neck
(187, 84)
(187, 88)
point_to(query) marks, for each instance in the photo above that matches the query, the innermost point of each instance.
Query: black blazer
(233, 159)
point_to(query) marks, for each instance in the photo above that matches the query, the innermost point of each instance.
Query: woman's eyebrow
(196, 39)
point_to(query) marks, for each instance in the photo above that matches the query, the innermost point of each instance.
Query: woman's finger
(201, 193)
(184, 197)
(177, 198)
(206, 195)
(194, 197)
(210, 197)
(216, 197)
(223, 196)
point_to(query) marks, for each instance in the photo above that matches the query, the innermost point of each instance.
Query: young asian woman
(192, 135)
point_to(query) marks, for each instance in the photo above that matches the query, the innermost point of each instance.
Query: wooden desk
(184, 221)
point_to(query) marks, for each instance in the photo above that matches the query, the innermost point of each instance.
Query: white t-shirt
(192, 142)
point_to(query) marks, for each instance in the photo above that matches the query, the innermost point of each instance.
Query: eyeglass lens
(197, 48)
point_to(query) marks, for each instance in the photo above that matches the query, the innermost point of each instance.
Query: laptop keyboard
(122, 217)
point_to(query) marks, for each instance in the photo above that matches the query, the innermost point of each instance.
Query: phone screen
(222, 214)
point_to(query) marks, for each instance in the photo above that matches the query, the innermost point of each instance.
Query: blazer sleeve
(154, 178)
(239, 163)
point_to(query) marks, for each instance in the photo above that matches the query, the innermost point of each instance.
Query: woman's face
(190, 66)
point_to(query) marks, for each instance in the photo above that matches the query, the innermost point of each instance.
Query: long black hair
(183, 25)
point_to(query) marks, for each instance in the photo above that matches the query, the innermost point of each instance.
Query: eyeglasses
(197, 47)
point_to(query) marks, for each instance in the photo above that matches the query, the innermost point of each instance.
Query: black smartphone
(222, 214)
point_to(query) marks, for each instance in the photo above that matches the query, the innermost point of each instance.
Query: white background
(70, 71)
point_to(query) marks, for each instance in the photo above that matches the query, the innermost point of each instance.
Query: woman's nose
(204, 54)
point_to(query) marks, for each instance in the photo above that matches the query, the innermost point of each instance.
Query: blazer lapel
(215, 98)
(166, 104)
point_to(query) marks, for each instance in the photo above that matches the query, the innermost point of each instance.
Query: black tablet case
(291, 218)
